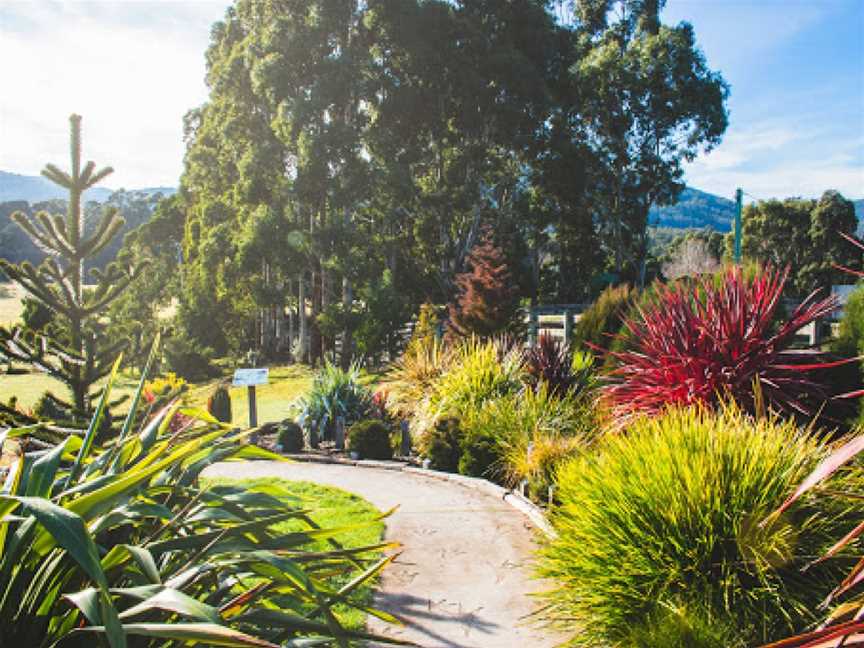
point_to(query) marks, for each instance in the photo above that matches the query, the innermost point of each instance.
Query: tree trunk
(304, 323)
(316, 352)
(348, 333)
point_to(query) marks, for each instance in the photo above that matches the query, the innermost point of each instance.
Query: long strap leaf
(136, 399)
(95, 422)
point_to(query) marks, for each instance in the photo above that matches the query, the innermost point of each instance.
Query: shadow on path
(422, 615)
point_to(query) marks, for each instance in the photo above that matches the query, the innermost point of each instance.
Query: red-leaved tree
(487, 299)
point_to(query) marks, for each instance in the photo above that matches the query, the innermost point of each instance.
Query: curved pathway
(463, 579)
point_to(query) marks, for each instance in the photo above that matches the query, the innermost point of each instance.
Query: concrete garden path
(463, 579)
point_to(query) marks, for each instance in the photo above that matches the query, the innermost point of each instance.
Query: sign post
(249, 378)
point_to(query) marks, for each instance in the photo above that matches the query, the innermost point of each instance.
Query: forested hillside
(136, 208)
(695, 209)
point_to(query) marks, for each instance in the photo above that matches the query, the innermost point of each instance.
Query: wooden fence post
(568, 326)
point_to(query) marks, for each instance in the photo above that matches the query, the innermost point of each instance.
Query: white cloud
(131, 69)
(783, 178)
(740, 145)
(781, 158)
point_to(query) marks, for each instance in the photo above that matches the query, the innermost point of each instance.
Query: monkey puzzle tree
(71, 349)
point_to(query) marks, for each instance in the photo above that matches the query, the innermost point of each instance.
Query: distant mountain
(35, 189)
(695, 209)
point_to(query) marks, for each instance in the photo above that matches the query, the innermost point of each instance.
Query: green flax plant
(120, 542)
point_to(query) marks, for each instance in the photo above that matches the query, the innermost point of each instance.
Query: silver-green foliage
(659, 534)
(335, 393)
(120, 541)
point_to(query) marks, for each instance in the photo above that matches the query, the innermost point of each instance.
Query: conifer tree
(487, 297)
(70, 350)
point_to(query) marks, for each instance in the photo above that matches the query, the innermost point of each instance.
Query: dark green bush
(188, 359)
(370, 439)
(850, 343)
(219, 404)
(290, 436)
(443, 445)
(481, 455)
(659, 538)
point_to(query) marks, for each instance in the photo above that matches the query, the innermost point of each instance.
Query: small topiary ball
(370, 439)
(290, 436)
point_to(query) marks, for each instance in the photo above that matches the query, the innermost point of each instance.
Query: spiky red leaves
(716, 338)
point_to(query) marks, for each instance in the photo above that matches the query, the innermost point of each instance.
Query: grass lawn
(287, 382)
(30, 387)
(330, 508)
(11, 305)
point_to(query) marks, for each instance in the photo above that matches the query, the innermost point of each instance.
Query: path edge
(513, 498)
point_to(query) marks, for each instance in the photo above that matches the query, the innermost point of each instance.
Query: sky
(132, 69)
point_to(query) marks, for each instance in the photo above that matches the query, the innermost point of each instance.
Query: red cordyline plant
(718, 338)
(844, 627)
(548, 362)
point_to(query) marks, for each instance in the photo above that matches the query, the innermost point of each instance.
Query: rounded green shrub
(442, 445)
(668, 517)
(290, 436)
(481, 454)
(370, 439)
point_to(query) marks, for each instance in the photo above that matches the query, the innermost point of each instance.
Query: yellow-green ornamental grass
(660, 543)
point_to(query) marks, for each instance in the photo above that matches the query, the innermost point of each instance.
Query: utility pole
(739, 199)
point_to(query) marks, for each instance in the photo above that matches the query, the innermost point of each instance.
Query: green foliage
(849, 340)
(427, 329)
(411, 377)
(89, 546)
(481, 452)
(219, 404)
(803, 235)
(335, 392)
(370, 439)
(603, 318)
(686, 624)
(188, 359)
(478, 371)
(139, 314)
(443, 445)
(653, 105)
(385, 311)
(290, 437)
(36, 316)
(533, 430)
(666, 518)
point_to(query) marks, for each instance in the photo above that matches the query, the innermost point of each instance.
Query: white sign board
(251, 377)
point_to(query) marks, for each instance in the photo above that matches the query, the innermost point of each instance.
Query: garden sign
(249, 378)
